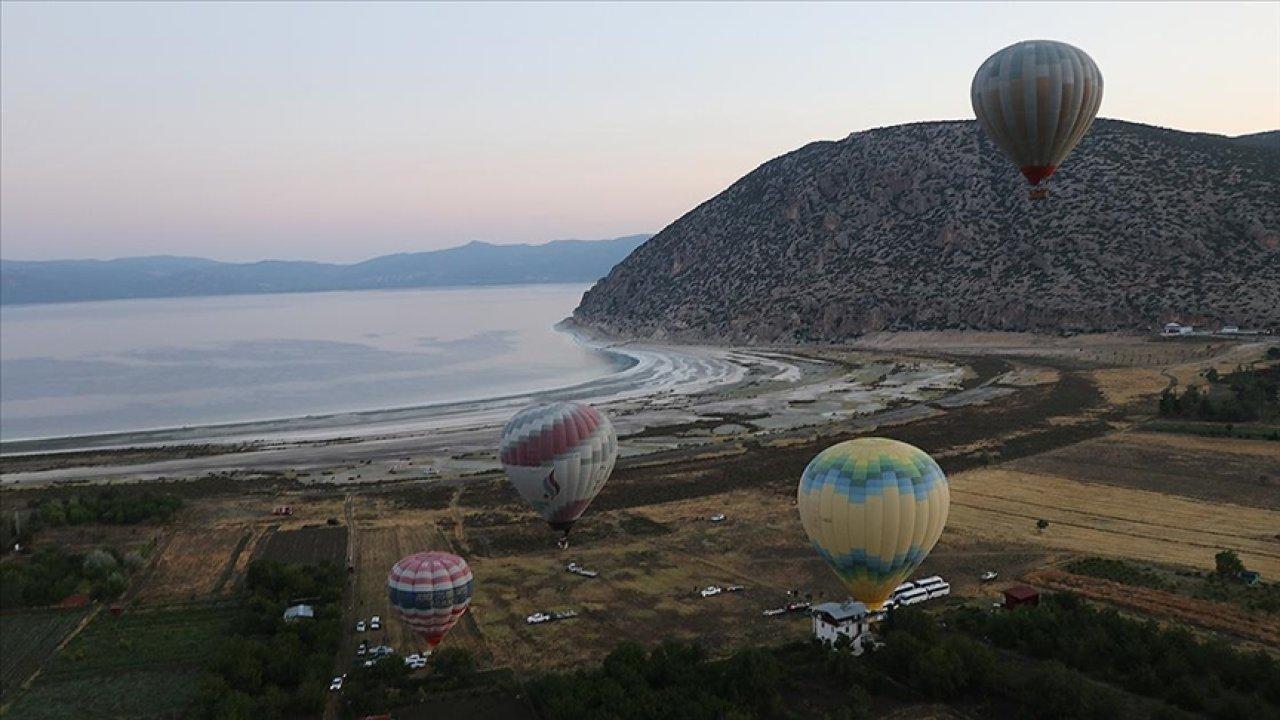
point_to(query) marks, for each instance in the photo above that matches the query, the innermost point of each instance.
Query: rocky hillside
(926, 226)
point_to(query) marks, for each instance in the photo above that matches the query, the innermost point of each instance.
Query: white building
(848, 619)
(1174, 328)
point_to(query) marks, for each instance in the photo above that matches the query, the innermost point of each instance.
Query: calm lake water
(82, 368)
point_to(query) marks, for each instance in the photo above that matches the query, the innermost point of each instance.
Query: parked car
(710, 590)
(988, 576)
(375, 623)
(415, 661)
(360, 626)
(773, 612)
(335, 685)
(364, 647)
(734, 588)
(718, 517)
(798, 606)
(538, 617)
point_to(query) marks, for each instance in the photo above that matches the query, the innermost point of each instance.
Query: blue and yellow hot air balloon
(873, 509)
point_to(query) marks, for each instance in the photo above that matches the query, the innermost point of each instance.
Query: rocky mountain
(927, 226)
(476, 263)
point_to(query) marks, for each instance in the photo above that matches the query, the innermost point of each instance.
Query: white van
(931, 580)
(939, 590)
(904, 587)
(911, 597)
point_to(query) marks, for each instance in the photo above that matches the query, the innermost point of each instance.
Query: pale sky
(243, 131)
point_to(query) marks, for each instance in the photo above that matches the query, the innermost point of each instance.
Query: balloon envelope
(430, 591)
(558, 456)
(1035, 100)
(873, 509)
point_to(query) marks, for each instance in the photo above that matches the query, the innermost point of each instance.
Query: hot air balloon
(558, 456)
(430, 591)
(873, 509)
(1035, 100)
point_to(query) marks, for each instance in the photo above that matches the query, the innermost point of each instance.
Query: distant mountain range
(477, 263)
(928, 227)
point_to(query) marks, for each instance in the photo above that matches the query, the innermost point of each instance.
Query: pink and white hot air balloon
(430, 590)
(558, 456)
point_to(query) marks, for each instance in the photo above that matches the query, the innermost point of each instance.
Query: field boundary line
(232, 558)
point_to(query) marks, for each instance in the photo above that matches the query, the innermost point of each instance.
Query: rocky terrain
(928, 227)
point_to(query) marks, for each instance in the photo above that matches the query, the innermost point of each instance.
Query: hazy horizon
(352, 261)
(336, 132)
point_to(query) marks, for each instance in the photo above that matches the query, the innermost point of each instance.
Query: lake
(127, 365)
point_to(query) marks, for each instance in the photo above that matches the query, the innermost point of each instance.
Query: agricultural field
(306, 546)
(1231, 470)
(139, 665)
(27, 639)
(195, 563)
(1003, 505)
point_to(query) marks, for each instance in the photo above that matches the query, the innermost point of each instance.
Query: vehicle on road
(717, 518)
(798, 606)
(577, 569)
(734, 588)
(774, 612)
(335, 685)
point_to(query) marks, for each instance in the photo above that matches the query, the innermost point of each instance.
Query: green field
(27, 639)
(141, 664)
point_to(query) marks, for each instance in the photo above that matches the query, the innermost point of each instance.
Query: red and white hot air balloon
(558, 456)
(430, 591)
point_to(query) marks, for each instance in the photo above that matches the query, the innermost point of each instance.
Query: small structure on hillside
(299, 612)
(282, 510)
(1021, 596)
(1174, 328)
(848, 619)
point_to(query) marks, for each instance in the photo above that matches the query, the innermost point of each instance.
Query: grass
(27, 639)
(138, 665)
(1246, 431)
(1117, 570)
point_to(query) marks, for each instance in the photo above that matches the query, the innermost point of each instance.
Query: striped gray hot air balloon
(1035, 100)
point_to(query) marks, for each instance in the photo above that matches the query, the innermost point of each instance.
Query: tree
(1227, 564)
(99, 563)
(1041, 524)
(453, 662)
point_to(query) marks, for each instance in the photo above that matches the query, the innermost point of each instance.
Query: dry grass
(192, 564)
(1003, 505)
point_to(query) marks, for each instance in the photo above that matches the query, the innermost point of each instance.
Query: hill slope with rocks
(927, 227)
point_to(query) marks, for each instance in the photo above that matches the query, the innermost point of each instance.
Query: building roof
(299, 611)
(839, 612)
(1021, 592)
